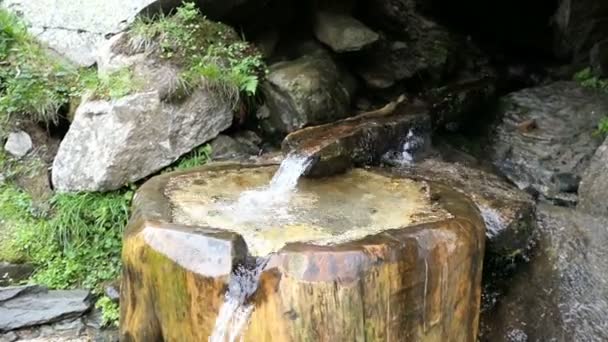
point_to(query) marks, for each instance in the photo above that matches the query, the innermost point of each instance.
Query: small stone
(18, 144)
(343, 33)
(112, 291)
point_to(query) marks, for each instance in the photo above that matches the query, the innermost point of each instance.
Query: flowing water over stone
(254, 206)
(413, 143)
(236, 310)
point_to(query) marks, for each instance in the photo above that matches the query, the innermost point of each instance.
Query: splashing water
(236, 310)
(255, 205)
(405, 157)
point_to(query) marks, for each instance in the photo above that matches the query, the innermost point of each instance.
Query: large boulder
(561, 295)
(311, 89)
(593, 190)
(113, 142)
(544, 140)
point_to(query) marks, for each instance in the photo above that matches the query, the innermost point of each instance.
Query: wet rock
(226, 148)
(599, 59)
(561, 294)
(593, 190)
(578, 26)
(391, 61)
(309, 90)
(13, 273)
(561, 141)
(508, 213)
(342, 33)
(361, 140)
(456, 104)
(114, 142)
(26, 306)
(18, 144)
(427, 270)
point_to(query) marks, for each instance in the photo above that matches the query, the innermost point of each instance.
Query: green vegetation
(109, 86)
(586, 78)
(198, 157)
(32, 84)
(210, 53)
(78, 243)
(110, 311)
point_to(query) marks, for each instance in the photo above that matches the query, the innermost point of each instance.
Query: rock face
(76, 28)
(342, 33)
(113, 142)
(593, 190)
(18, 144)
(561, 294)
(361, 140)
(508, 213)
(25, 306)
(456, 104)
(414, 45)
(545, 139)
(579, 25)
(426, 274)
(309, 90)
(598, 58)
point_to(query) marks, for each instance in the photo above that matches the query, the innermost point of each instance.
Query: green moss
(210, 53)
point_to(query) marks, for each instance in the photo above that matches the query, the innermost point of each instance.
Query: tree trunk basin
(400, 261)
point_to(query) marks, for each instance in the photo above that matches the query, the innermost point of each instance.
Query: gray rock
(18, 144)
(113, 142)
(75, 29)
(309, 90)
(29, 306)
(342, 33)
(12, 273)
(226, 148)
(9, 337)
(547, 131)
(562, 294)
(508, 212)
(593, 190)
(598, 58)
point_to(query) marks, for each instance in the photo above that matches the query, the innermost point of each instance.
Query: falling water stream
(255, 205)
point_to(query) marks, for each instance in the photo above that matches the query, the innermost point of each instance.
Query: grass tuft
(211, 54)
